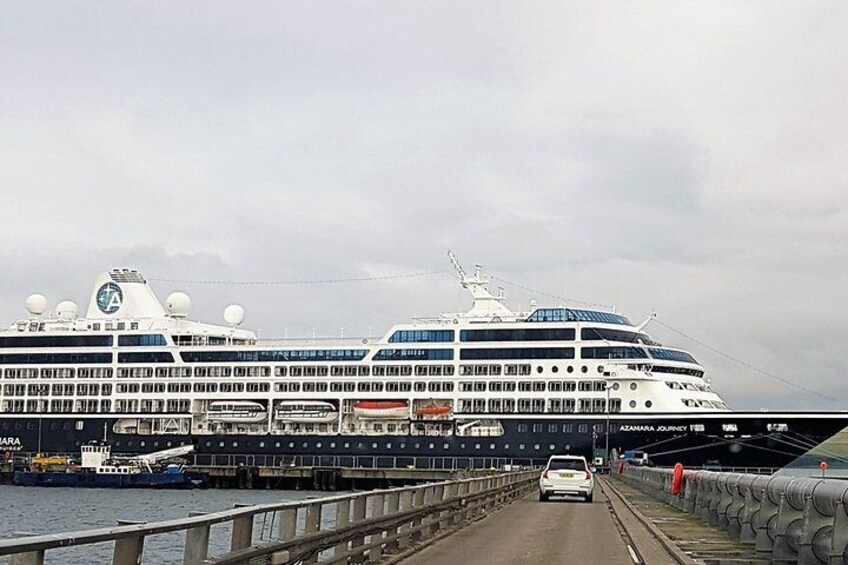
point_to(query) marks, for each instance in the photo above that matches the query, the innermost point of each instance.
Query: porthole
(417, 446)
(318, 445)
(332, 445)
(555, 369)
(536, 447)
(476, 446)
(402, 446)
(462, 446)
(262, 445)
(633, 404)
(208, 444)
(445, 446)
(305, 445)
(220, 444)
(347, 445)
(432, 446)
(584, 369)
(570, 369)
(600, 368)
(615, 386)
(291, 445)
(521, 447)
(373, 446)
(539, 369)
(648, 404)
(491, 446)
(277, 444)
(551, 447)
(506, 446)
(633, 386)
(155, 444)
(142, 443)
(235, 444)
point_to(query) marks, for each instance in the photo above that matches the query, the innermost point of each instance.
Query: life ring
(677, 479)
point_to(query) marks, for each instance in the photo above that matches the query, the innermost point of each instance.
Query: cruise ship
(484, 387)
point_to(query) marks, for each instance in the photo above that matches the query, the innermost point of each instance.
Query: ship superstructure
(489, 382)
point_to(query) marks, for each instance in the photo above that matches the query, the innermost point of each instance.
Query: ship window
(633, 386)
(633, 403)
(534, 334)
(571, 315)
(142, 340)
(56, 341)
(517, 353)
(414, 355)
(671, 355)
(422, 336)
(146, 357)
(605, 334)
(622, 352)
(583, 428)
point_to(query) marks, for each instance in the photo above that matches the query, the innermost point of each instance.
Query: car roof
(580, 457)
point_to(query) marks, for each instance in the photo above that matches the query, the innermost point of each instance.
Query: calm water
(46, 510)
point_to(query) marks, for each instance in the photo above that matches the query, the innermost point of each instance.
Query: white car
(566, 475)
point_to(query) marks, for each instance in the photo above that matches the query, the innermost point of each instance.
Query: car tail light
(545, 474)
(588, 475)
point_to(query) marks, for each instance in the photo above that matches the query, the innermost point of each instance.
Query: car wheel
(589, 497)
(543, 497)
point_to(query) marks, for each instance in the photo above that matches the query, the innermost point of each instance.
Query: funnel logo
(109, 298)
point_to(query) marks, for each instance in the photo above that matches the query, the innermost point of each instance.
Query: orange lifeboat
(434, 410)
(381, 409)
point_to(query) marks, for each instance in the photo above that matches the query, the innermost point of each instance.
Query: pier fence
(789, 520)
(360, 527)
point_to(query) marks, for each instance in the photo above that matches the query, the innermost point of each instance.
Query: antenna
(456, 265)
(647, 321)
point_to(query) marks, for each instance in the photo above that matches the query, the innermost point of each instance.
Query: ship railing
(801, 520)
(337, 529)
(362, 461)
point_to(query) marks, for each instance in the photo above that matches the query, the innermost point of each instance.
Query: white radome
(67, 310)
(234, 314)
(178, 304)
(36, 304)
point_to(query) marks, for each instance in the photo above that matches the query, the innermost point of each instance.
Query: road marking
(633, 555)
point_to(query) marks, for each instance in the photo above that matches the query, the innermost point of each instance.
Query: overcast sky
(690, 158)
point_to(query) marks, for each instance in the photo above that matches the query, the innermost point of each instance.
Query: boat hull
(692, 439)
(94, 480)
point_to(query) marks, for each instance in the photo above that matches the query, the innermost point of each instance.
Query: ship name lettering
(10, 443)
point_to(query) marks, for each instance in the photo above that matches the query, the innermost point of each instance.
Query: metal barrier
(794, 520)
(356, 528)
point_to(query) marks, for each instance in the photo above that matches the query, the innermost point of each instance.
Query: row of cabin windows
(56, 406)
(674, 385)
(57, 390)
(375, 386)
(532, 386)
(538, 405)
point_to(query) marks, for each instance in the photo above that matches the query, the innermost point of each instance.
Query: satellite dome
(67, 310)
(234, 314)
(178, 304)
(36, 304)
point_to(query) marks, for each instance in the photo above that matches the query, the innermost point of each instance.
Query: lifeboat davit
(382, 409)
(434, 410)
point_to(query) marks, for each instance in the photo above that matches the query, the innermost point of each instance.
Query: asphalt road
(528, 531)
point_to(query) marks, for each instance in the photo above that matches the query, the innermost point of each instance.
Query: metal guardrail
(792, 520)
(356, 528)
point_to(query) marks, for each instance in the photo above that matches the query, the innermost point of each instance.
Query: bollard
(751, 516)
(740, 489)
(790, 519)
(820, 511)
(769, 508)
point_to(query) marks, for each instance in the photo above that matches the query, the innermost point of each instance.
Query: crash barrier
(794, 520)
(361, 527)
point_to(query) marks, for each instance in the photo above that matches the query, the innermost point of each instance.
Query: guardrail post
(406, 502)
(839, 541)
(313, 525)
(196, 543)
(242, 530)
(392, 507)
(288, 524)
(448, 493)
(376, 552)
(30, 558)
(417, 503)
(360, 506)
(342, 520)
(128, 550)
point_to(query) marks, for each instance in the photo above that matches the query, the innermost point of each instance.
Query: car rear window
(572, 464)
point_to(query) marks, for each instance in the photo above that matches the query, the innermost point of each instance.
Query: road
(528, 531)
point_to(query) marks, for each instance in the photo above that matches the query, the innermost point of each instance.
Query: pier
(714, 519)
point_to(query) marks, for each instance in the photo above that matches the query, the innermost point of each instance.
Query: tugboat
(99, 469)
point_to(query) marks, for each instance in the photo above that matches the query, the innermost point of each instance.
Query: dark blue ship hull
(94, 480)
(731, 439)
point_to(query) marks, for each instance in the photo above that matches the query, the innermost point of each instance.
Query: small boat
(382, 409)
(306, 411)
(99, 469)
(434, 409)
(236, 411)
